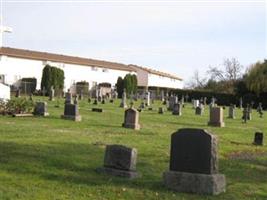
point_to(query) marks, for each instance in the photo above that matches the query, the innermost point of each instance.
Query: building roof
(44, 56)
(159, 73)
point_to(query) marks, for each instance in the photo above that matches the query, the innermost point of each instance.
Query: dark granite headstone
(194, 163)
(258, 138)
(192, 151)
(97, 110)
(40, 109)
(71, 112)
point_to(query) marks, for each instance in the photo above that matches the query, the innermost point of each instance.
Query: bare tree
(196, 81)
(232, 71)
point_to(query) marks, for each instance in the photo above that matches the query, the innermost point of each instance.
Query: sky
(178, 37)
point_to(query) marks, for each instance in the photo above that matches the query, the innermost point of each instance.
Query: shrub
(19, 105)
(52, 76)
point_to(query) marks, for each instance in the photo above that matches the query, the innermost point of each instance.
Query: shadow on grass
(66, 162)
(76, 163)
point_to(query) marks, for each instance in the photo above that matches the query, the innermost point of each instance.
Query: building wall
(160, 81)
(142, 78)
(14, 69)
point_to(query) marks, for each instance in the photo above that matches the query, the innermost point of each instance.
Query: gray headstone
(120, 161)
(177, 109)
(216, 117)
(120, 157)
(131, 119)
(231, 112)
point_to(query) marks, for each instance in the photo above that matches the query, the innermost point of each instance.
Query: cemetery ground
(52, 158)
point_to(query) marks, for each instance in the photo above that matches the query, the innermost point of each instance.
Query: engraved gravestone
(40, 109)
(120, 161)
(216, 117)
(231, 112)
(194, 163)
(71, 112)
(177, 109)
(131, 119)
(52, 94)
(258, 138)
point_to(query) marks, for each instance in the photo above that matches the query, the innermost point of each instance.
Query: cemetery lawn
(52, 158)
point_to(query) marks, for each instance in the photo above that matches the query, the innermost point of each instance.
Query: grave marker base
(133, 126)
(118, 172)
(77, 118)
(211, 184)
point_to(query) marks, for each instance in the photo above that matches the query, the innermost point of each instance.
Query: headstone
(213, 100)
(194, 163)
(231, 112)
(120, 161)
(147, 98)
(80, 96)
(240, 103)
(18, 91)
(216, 117)
(171, 103)
(162, 96)
(75, 100)
(205, 101)
(182, 100)
(258, 138)
(52, 94)
(260, 110)
(199, 110)
(161, 110)
(186, 97)
(195, 103)
(40, 109)
(123, 100)
(245, 115)
(71, 112)
(97, 110)
(177, 109)
(131, 119)
(142, 105)
(68, 97)
(95, 101)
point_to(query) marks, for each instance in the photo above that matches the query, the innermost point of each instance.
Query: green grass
(52, 158)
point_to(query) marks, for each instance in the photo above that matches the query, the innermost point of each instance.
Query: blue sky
(175, 37)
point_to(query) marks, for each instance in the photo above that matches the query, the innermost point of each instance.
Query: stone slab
(76, 118)
(194, 183)
(119, 173)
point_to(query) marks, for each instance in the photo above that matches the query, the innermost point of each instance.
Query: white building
(4, 92)
(16, 64)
